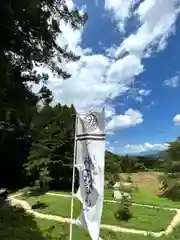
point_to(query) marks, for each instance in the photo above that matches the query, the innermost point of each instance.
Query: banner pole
(73, 179)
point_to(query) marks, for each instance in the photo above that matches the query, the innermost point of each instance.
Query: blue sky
(130, 64)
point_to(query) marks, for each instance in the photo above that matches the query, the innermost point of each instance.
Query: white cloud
(109, 146)
(95, 77)
(138, 94)
(139, 148)
(98, 78)
(152, 103)
(129, 119)
(173, 82)
(156, 18)
(176, 119)
(139, 99)
(124, 69)
(69, 4)
(124, 11)
(109, 132)
(110, 111)
(144, 92)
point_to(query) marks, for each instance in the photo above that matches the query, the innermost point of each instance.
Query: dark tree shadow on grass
(16, 224)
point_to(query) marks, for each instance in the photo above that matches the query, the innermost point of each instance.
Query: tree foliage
(171, 178)
(51, 155)
(112, 168)
(29, 31)
(128, 163)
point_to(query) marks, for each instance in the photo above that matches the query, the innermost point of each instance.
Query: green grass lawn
(146, 197)
(142, 217)
(141, 196)
(16, 224)
(80, 234)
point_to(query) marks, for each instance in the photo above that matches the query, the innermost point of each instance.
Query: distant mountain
(109, 154)
(153, 154)
(146, 161)
(148, 154)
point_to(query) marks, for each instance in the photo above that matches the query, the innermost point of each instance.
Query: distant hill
(153, 154)
(108, 153)
(150, 153)
(147, 161)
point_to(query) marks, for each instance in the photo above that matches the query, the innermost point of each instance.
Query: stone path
(175, 221)
(17, 202)
(115, 201)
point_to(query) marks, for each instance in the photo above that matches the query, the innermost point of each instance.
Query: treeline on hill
(171, 177)
(35, 138)
(167, 162)
(44, 155)
(129, 164)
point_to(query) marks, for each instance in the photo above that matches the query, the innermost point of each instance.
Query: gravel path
(115, 201)
(17, 202)
(176, 220)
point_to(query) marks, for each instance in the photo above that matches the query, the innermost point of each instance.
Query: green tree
(51, 156)
(128, 163)
(171, 178)
(29, 30)
(112, 168)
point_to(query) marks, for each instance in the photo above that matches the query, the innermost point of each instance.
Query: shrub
(123, 213)
(17, 224)
(173, 193)
(39, 205)
(129, 179)
(170, 187)
(48, 233)
(112, 179)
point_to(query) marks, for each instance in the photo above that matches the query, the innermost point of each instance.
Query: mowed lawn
(141, 196)
(148, 185)
(144, 196)
(16, 224)
(79, 233)
(142, 218)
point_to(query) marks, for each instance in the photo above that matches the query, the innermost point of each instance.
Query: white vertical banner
(90, 154)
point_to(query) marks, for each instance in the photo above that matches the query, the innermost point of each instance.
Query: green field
(142, 217)
(106, 235)
(15, 224)
(141, 197)
(146, 197)
(82, 234)
(18, 225)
